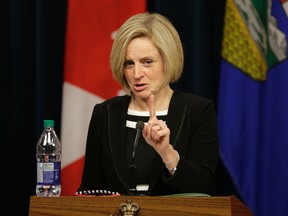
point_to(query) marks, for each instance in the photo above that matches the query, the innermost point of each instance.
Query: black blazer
(192, 122)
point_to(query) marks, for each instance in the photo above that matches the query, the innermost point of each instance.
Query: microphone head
(140, 125)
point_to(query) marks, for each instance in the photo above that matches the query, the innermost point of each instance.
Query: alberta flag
(253, 103)
(91, 26)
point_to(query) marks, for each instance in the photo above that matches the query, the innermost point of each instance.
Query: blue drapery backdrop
(31, 53)
(253, 103)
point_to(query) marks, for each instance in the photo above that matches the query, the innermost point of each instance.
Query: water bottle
(48, 155)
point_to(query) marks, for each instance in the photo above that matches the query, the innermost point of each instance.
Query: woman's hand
(156, 133)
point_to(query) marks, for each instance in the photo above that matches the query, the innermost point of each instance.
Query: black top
(143, 150)
(193, 133)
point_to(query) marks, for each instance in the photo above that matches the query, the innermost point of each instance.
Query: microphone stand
(132, 179)
(132, 167)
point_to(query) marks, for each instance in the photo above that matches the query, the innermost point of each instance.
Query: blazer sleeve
(92, 162)
(198, 149)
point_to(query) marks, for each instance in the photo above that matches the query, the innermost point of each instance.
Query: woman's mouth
(140, 87)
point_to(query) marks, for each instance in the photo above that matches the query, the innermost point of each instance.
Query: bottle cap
(48, 123)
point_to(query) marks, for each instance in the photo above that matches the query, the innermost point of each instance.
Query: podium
(147, 205)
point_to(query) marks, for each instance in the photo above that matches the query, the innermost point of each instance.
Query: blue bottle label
(49, 173)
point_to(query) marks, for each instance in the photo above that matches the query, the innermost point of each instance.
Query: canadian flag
(88, 80)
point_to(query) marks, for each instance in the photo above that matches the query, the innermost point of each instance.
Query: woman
(178, 147)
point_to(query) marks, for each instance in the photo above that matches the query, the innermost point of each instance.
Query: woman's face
(144, 68)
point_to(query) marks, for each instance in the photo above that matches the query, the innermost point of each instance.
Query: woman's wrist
(172, 163)
(172, 171)
(175, 158)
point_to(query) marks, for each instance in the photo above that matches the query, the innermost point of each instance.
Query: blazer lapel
(176, 116)
(117, 112)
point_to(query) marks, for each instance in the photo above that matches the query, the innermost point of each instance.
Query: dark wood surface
(149, 205)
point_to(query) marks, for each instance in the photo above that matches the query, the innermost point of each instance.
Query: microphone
(132, 167)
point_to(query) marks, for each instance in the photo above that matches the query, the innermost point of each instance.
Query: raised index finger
(152, 107)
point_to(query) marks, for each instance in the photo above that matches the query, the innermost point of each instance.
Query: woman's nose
(138, 73)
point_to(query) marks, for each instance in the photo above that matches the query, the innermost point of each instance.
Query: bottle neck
(48, 128)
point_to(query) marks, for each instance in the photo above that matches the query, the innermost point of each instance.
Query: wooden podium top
(148, 205)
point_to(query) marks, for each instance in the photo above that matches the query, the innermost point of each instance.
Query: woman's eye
(128, 64)
(148, 61)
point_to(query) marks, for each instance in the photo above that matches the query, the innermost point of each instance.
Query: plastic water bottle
(48, 155)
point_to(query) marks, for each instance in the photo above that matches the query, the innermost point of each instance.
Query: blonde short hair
(164, 37)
